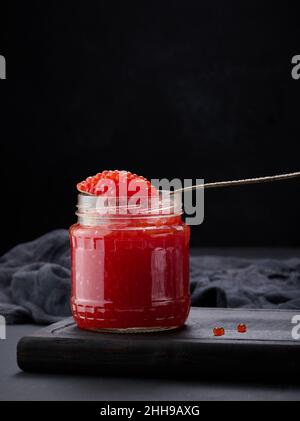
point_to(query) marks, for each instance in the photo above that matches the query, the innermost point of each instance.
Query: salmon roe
(241, 328)
(219, 331)
(115, 183)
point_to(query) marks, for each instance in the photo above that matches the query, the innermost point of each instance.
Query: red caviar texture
(131, 277)
(116, 183)
(219, 331)
(241, 328)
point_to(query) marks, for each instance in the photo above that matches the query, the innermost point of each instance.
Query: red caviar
(115, 183)
(219, 331)
(129, 271)
(241, 328)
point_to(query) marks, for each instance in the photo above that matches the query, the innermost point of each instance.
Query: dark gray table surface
(16, 385)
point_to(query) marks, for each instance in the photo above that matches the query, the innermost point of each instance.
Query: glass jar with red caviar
(130, 272)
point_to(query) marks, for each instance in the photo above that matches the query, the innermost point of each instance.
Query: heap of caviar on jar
(115, 182)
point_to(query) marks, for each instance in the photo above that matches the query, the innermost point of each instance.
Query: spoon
(230, 183)
(242, 182)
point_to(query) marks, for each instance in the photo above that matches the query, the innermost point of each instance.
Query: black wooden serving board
(267, 348)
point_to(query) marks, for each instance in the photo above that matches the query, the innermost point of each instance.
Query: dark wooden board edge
(137, 355)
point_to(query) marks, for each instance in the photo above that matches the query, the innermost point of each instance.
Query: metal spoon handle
(241, 182)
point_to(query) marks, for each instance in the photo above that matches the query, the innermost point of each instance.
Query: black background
(165, 89)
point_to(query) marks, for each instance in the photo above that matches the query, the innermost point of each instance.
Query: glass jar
(130, 272)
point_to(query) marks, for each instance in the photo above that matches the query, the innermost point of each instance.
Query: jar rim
(91, 209)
